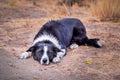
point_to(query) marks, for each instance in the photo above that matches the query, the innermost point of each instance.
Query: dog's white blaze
(45, 56)
(47, 37)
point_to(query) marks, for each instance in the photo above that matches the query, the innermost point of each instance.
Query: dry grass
(106, 9)
(18, 3)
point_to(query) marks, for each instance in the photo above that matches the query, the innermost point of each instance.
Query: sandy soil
(18, 25)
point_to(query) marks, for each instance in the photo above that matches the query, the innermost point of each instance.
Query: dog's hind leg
(88, 42)
(74, 46)
(94, 42)
(80, 38)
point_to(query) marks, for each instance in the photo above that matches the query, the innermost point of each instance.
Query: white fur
(45, 56)
(99, 43)
(73, 46)
(25, 55)
(59, 56)
(56, 60)
(48, 37)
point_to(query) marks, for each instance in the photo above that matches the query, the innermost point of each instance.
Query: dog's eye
(39, 51)
(50, 51)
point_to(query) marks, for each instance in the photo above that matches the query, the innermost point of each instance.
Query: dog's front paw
(56, 60)
(25, 55)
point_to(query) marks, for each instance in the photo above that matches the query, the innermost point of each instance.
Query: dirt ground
(18, 26)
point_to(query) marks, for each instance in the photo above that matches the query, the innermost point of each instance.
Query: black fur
(67, 31)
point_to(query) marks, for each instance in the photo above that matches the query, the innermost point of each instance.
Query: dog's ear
(34, 56)
(55, 49)
(31, 49)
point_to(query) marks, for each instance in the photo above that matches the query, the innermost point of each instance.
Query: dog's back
(62, 29)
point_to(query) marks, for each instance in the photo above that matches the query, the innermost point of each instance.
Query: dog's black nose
(44, 60)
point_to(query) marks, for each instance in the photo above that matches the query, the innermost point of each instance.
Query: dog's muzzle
(44, 61)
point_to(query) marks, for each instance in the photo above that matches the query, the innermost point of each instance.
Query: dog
(53, 39)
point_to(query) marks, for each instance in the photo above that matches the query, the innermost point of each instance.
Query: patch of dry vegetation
(106, 9)
(17, 3)
(72, 2)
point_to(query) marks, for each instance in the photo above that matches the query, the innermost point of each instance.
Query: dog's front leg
(26, 54)
(59, 56)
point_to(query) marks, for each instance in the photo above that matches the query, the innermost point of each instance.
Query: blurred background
(103, 10)
(20, 20)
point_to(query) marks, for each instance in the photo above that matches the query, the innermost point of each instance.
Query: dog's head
(44, 52)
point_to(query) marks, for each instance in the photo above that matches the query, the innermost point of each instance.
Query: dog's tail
(94, 42)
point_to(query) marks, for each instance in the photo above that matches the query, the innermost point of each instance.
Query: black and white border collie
(54, 37)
